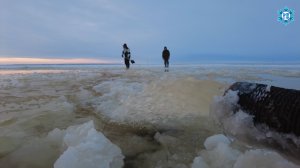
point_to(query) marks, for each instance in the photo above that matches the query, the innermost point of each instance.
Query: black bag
(132, 61)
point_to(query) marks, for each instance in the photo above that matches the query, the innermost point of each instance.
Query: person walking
(166, 57)
(126, 55)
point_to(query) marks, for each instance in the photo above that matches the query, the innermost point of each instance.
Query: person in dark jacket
(126, 55)
(166, 57)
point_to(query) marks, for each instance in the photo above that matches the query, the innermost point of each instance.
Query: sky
(195, 31)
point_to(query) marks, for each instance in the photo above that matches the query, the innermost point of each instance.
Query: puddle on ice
(100, 116)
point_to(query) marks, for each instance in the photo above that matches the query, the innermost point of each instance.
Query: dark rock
(279, 108)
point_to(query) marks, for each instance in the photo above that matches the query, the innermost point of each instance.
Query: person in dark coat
(166, 57)
(126, 55)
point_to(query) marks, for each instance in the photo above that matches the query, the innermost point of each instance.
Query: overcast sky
(195, 31)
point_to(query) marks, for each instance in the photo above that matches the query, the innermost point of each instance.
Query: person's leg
(166, 65)
(127, 63)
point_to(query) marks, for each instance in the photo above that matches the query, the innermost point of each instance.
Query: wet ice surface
(157, 119)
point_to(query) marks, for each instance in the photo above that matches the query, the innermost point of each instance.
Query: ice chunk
(260, 158)
(219, 153)
(199, 163)
(88, 148)
(212, 142)
(222, 106)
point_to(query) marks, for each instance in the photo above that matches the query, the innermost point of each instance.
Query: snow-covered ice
(68, 116)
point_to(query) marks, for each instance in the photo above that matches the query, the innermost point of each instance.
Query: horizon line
(175, 64)
(30, 60)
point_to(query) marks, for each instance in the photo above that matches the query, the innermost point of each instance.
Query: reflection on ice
(24, 72)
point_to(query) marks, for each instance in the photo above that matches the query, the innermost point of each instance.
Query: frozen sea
(75, 116)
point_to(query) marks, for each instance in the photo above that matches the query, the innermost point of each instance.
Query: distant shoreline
(97, 65)
(202, 63)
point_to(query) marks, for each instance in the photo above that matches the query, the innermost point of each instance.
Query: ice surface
(175, 106)
(261, 158)
(219, 153)
(159, 101)
(88, 148)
